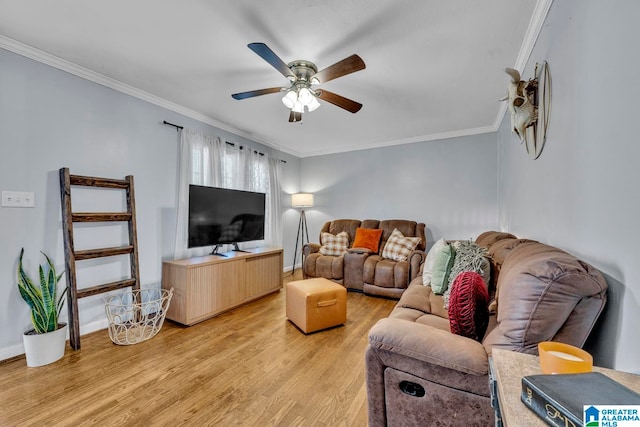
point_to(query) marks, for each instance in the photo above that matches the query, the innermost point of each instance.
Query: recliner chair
(359, 269)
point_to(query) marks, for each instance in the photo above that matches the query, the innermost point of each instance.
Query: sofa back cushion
(498, 245)
(407, 228)
(497, 253)
(488, 238)
(339, 225)
(540, 290)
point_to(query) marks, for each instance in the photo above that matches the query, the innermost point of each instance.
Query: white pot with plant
(44, 343)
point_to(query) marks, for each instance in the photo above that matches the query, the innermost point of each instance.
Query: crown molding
(412, 140)
(530, 38)
(533, 31)
(87, 74)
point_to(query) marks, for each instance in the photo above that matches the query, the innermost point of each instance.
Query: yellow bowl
(560, 358)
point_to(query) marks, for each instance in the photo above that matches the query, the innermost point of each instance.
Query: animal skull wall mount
(529, 106)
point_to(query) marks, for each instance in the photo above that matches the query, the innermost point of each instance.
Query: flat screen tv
(223, 216)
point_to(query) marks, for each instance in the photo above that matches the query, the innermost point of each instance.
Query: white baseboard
(11, 351)
(18, 349)
(290, 268)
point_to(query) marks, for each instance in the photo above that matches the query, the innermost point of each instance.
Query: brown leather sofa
(361, 270)
(419, 373)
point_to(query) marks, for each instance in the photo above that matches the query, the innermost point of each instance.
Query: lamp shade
(305, 96)
(298, 107)
(302, 200)
(313, 104)
(289, 100)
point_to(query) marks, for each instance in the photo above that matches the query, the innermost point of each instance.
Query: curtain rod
(171, 124)
(178, 127)
(241, 147)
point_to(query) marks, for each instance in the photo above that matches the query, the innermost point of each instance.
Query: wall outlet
(18, 199)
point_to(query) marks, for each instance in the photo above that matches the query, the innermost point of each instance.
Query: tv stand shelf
(209, 285)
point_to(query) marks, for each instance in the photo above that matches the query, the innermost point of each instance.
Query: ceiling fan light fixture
(305, 96)
(290, 99)
(302, 74)
(298, 107)
(313, 104)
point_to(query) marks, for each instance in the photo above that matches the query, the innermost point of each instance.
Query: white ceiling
(434, 68)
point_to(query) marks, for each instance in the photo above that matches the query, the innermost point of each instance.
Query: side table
(506, 369)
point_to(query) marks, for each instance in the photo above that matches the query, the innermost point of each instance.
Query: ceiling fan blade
(295, 117)
(341, 68)
(268, 55)
(252, 93)
(338, 100)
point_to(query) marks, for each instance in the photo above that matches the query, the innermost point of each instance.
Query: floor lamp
(301, 200)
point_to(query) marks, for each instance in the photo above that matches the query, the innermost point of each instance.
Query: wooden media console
(209, 285)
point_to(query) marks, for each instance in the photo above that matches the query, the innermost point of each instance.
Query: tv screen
(220, 215)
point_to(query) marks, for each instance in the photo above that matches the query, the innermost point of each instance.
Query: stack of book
(563, 400)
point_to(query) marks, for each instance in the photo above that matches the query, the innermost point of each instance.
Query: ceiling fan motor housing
(303, 70)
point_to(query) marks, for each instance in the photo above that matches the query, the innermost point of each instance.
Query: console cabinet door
(264, 274)
(215, 288)
(228, 284)
(201, 296)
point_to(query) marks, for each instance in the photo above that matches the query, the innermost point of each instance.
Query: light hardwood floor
(246, 367)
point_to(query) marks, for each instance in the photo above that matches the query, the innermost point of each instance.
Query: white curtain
(273, 231)
(198, 156)
(205, 160)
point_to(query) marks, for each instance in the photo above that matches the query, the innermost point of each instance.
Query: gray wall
(450, 185)
(581, 194)
(51, 119)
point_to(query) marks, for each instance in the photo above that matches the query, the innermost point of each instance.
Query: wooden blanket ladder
(69, 218)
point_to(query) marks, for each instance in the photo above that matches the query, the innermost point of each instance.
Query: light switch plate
(18, 199)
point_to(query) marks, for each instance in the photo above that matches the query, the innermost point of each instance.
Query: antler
(515, 74)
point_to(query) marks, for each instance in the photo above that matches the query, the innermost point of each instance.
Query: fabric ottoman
(316, 304)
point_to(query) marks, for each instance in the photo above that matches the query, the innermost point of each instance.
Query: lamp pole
(301, 200)
(302, 232)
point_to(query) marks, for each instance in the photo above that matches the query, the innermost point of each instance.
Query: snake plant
(43, 301)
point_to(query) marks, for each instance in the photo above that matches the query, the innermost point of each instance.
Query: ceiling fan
(302, 75)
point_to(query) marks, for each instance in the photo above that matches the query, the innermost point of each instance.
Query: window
(206, 160)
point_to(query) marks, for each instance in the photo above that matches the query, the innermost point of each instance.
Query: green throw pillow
(441, 270)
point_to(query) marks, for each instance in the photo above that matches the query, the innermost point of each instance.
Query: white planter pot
(42, 349)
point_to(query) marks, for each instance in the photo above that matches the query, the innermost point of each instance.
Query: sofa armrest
(429, 345)
(437, 359)
(354, 268)
(416, 259)
(310, 248)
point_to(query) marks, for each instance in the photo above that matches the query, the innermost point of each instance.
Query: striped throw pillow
(398, 247)
(334, 245)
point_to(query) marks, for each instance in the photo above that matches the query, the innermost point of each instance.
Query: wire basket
(137, 315)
